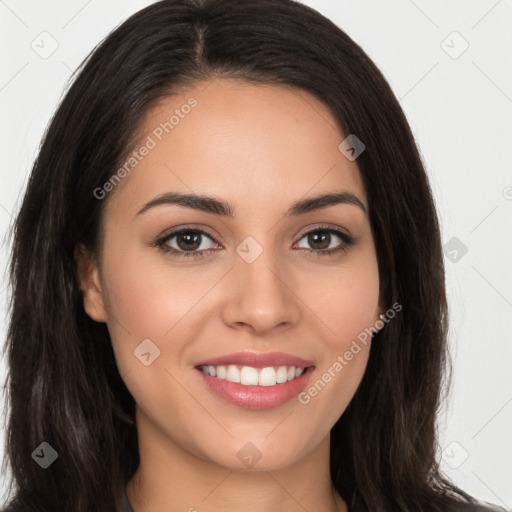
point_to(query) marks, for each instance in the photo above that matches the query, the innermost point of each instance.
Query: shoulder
(470, 505)
(479, 506)
(13, 507)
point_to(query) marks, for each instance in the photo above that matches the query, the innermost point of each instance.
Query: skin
(261, 148)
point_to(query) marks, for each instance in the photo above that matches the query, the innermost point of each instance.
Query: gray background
(458, 101)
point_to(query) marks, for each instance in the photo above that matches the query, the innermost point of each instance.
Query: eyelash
(347, 242)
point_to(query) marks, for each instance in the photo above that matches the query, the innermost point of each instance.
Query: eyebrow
(218, 207)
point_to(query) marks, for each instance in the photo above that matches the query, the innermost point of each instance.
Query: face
(270, 295)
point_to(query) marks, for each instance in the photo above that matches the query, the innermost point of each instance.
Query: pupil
(313, 239)
(188, 238)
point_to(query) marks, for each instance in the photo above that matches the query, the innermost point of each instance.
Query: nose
(261, 296)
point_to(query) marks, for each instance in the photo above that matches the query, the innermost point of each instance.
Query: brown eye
(188, 243)
(191, 243)
(320, 240)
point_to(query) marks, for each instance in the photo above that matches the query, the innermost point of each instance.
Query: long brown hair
(63, 384)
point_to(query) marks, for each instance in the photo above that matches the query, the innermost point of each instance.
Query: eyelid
(326, 226)
(170, 233)
(347, 241)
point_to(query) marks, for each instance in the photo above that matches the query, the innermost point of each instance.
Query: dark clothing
(358, 505)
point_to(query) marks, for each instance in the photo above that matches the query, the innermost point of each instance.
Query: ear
(88, 277)
(380, 315)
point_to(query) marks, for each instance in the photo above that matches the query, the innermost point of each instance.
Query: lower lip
(257, 397)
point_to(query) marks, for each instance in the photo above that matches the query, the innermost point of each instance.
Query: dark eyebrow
(211, 205)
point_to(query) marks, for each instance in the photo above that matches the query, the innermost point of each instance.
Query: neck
(172, 478)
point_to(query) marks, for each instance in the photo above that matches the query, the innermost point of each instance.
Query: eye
(321, 238)
(187, 244)
(190, 242)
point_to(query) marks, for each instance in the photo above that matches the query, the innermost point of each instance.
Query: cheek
(346, 301)
(328, 396)
(146, 297)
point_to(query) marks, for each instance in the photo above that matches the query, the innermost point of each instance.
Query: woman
(228, 283)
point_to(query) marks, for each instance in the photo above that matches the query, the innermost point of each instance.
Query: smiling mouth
(250, 376)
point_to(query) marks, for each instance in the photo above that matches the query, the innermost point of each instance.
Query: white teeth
(233, 374)
(249, 376)
(267, 377)
(282, 374)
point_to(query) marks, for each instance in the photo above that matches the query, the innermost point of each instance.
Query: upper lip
(257, 360)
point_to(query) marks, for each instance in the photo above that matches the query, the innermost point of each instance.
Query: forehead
(245, 142)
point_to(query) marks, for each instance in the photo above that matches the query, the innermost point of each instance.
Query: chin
(258, 453)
